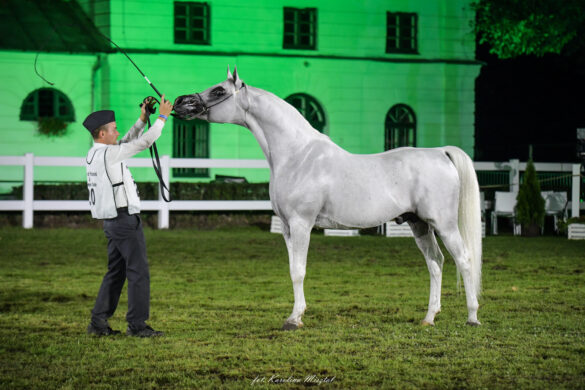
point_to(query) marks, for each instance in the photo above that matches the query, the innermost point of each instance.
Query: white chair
(555, 205)
(504, 207)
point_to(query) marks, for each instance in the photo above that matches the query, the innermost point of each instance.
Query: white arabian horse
(313, 181)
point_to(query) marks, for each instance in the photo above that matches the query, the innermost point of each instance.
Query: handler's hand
(165, 106)
(143, 113)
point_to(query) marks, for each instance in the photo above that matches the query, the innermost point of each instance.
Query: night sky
(529, 100)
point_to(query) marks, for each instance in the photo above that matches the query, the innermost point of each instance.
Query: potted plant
(530, 204)
(573, 227)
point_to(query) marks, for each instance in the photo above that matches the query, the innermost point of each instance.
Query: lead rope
(157, 168)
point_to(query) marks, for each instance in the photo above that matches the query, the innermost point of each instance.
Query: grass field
(222, 297)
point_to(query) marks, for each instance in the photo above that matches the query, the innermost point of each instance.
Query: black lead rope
(158, 171)
(149, 101)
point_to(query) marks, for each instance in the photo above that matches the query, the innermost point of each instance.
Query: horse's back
(365, 190)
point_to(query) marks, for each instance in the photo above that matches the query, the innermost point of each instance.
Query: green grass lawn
(222, 297)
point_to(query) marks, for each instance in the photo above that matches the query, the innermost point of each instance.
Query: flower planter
(342, 232)
(395, 230)
(577, 231)
(275, 225)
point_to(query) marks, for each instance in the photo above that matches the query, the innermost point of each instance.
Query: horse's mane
(286, 108)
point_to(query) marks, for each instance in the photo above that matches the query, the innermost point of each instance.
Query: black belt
(122, 209)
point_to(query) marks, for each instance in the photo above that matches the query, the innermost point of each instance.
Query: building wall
(345, 28)
(71, 74)
(350, 74)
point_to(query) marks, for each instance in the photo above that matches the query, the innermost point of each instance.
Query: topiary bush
(529, 203)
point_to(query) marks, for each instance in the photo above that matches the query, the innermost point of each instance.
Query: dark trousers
(126, 259)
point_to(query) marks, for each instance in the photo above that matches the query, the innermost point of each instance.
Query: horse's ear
(237, 80)
(229, 75)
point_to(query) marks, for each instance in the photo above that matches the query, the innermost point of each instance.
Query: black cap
(98, 118)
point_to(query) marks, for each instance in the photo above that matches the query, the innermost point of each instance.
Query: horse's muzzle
(188, 106)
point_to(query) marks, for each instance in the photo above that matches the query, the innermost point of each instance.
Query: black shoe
(107, 331)
(145, 332)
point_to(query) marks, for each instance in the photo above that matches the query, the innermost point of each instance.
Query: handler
(113, 197)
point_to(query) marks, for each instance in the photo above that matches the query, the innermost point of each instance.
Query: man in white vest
(114, 199)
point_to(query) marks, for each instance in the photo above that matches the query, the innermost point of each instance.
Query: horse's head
(216, 104)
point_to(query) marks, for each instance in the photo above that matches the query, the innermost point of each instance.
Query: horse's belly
(358, 210)
(327, 223)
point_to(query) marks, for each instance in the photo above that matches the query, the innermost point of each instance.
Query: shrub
(149, 191)
(530, 204)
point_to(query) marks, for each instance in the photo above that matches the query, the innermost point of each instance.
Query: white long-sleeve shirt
(107, 173)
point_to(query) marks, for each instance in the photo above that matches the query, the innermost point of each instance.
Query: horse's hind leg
(427, 243)
(297, 236)
(454, 244)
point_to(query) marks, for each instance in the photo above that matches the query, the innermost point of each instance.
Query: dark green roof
(48, 25)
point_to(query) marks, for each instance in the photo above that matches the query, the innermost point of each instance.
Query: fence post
(28, 191)
(576, 190)
(163, 211)
(514, 175)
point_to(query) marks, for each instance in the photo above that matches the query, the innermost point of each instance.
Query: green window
(400, 127)
(190, 140)
(47, 103)
(401, 32)
(300, 28)
(309, 108)
(192, 23)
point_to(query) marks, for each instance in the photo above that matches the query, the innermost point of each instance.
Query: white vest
(109, 187)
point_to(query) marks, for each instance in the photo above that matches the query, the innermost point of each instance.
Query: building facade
(371, 75)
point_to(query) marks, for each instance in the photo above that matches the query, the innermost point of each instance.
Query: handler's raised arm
(118, 153)
(123, 151)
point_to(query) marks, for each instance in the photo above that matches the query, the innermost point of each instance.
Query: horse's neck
(278, 127)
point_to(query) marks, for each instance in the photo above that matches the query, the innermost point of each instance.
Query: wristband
(163, 116)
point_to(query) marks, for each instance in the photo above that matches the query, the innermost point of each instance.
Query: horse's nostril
(179, 100)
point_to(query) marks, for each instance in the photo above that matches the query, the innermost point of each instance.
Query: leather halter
(206, 107)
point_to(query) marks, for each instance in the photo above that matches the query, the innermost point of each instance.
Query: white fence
(28, 205)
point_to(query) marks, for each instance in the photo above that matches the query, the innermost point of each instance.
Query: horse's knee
(297, 272)
(297, 277)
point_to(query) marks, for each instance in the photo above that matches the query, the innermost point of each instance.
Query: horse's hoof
(473, 323)
(426, 323)
(290, 326)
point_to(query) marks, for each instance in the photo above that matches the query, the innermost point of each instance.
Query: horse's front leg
(297, 236)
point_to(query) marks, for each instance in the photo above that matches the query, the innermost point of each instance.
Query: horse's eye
(218, 91)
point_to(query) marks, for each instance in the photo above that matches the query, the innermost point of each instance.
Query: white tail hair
(469, 211)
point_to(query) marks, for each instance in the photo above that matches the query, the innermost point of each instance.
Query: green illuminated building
(372, 75)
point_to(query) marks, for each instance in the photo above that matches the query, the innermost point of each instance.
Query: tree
(529, 203)
(530, 27)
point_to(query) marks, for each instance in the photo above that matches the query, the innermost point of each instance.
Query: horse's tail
(469, 210)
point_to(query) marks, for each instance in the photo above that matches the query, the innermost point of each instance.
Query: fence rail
(28, 205)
